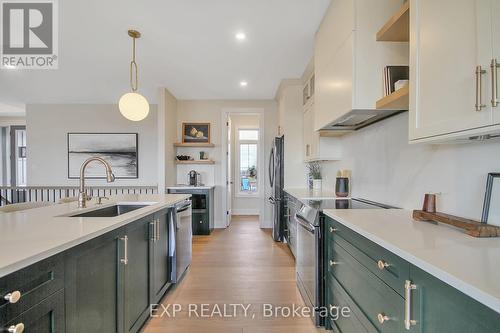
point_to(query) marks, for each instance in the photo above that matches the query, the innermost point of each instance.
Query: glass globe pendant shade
(133, 106)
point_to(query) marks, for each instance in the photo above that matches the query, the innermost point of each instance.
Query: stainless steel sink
(111, 211)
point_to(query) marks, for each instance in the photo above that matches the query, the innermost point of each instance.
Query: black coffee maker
(194, 178)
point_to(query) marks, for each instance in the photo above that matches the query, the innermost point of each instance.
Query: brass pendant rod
(134, 70)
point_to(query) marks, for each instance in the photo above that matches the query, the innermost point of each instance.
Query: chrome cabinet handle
(494, 82)
(382, 318)
(124, 260)
(382, 265)
(408, 321)
(13, 297)
(479, 88)
(153, 233)
(332, 230)
(19, 328)
(333, 263)
(201, 222)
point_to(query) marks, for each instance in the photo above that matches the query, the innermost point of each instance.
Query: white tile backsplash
(386, 168)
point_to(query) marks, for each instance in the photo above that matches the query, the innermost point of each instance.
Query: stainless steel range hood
(356, 119)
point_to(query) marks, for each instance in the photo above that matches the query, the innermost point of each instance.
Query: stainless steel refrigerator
(276, 180)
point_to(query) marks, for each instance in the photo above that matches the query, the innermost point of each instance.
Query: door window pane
(248, 167)
(249, 135)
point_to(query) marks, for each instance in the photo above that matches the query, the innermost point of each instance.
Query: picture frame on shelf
(196, 133)
(491, 208)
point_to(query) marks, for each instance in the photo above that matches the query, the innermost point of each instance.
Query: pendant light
(133, 105)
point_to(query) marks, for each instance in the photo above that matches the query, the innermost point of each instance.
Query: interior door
(229, 178)
(445, 51)
(18, 155)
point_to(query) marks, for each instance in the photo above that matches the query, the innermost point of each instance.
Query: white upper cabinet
(450, 76)
(349, 62)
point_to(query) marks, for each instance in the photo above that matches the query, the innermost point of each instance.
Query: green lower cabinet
(367, 291)
(92, 277)
(201, 222)
(354, 321)
(439, 308)
(109, 280)
(159, 260)
(45, 317)
(375, 298)
(136, 277)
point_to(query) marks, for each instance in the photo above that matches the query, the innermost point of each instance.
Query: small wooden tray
(471, 227)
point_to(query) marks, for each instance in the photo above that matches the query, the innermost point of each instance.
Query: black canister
(342, 187)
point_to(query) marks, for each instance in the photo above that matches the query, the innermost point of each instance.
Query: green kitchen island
(98, 269)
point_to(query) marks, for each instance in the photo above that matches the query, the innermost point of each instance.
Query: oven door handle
(304, 224)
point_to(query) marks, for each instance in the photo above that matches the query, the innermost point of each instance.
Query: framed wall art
(120, 150)
(195, 132)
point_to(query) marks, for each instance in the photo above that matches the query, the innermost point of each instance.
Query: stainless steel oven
(309, 260)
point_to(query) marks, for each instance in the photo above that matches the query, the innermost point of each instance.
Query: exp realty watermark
(29, 34)
(232, 310)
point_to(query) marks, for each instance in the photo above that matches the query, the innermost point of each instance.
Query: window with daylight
(248, 142)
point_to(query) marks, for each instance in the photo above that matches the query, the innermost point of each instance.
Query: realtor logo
(29, 34)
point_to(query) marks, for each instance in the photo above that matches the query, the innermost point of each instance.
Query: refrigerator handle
(271, 167)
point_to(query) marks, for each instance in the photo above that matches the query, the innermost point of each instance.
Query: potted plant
(315, 174)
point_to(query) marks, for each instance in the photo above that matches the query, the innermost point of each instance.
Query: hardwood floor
(238, 265)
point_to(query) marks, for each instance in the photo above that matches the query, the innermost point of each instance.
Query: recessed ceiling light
(240, 36)
(243, 83)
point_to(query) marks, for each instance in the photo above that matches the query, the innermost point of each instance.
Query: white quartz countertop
(307, 194)
(35, 234)
(469, 264)
(188, 187)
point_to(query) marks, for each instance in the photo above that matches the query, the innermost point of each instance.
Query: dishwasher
(181, 241)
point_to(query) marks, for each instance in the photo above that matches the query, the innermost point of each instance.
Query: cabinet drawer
(372, 295)
(35, 283)
(387, 266)
(200, 223)
(45, 317)
(356, 322)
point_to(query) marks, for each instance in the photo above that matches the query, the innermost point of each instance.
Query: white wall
(212, 111)
(167, 135)
(47, 149)
(385, 168)
(243, 205)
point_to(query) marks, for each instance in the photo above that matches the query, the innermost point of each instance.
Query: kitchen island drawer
(383, 307)
(340, 320)
(392, 269)
(45, 317)
(27, 287)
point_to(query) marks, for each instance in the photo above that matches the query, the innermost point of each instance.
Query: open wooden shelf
(397, 28)
(195, 162)
(398, 100)
(195, 145)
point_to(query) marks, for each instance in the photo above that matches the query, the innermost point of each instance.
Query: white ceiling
(187, 46)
